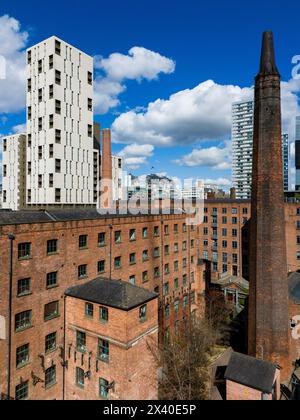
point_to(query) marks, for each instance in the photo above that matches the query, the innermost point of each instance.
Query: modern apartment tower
(62, 164)
(13, 171)
(297, 153)
(285, 160)
(242, 145)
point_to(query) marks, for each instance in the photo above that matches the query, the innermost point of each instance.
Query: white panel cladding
(13, 171)
(60, 130)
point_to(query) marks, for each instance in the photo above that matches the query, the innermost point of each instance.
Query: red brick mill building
(56, 352)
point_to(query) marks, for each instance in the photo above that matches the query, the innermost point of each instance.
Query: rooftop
(114, 293)
(251, 372)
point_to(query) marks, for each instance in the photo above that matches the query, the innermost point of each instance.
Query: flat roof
(113, 293)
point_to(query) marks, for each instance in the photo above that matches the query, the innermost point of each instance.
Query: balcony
(214, 224)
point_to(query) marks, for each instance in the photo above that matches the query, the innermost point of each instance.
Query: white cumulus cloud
(140, 63)
(193, 115)
(13, 41)
(215, 157)
(135, 155)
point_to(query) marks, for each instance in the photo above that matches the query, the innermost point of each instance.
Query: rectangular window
(50, 342)
(132, 280)
(103, 350)
(132, 235)
(57, 77)
(176, 247)
(143, 313)
(103, 388)
(166, 229)
(82, 271)
(83, 241)
(29, 57)
(167, 269)
(57, 195)
(51, 310)
(57, 136)
(57, 47)
(101, 266)
(51, 62)
(50, 376)
(80, 341)
(40, 95)
(52, 246)
(156, 231)
(90, 130)
(145, 233)
(156, 252)
(22, 356)
(57, 166)
(57, 107)
(24, 250)
(167, 249)
(24, 287)
(23, 320)
(132, 258)
(79, 377)
(22, 391)
(156, 272)
(166, 288)
(29, 85)
(118, 237)
(51, 280)
(51, 92)
(90, 104)
(40, 66)
(176, 306)
(90, 77)
(145, 255)
(101, 239)
(145, 276)
(103, 314)
(89, 310)
(118, 263)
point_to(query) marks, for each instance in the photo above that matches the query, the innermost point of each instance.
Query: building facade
(242, 149)
(62, 164)
(242, 141)
(14, 171)
(297, 153)
(109, 325)
(56, 250)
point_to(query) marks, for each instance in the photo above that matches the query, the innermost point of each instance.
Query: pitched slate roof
(294, 287)
(114, 293)
(251, 372)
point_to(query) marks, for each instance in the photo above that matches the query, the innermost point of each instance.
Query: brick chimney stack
(268, 336)
(106, 196)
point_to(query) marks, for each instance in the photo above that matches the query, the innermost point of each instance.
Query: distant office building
(285, 161)
(297, 153)
(242, 143)
(242, 140)
(14, 171)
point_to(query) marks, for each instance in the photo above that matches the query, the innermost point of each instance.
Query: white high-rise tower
(62, 164)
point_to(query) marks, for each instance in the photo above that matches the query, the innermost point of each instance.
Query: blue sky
(187, 135)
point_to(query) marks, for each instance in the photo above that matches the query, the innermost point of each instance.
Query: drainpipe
(11, 238)
(110, 250)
